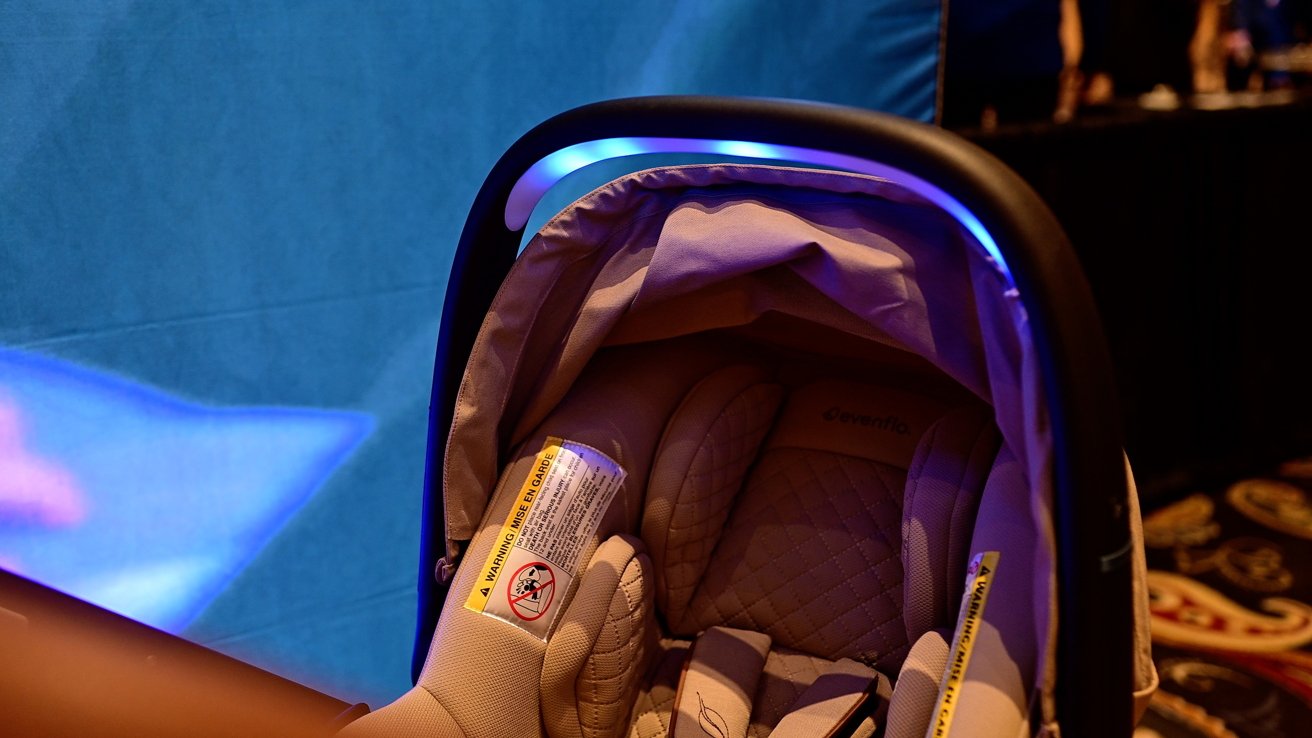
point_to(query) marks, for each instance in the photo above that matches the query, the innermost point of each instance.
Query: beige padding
(710, 442)
(912, 705)
(718, 683)
(1145, 673)
(866, 421)
(942, 495)
(995, 693)
(602, 647)
(830, 700)
(655, 703)
(811, 557)
(787, 674)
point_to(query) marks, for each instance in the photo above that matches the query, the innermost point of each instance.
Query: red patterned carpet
(1230, 581)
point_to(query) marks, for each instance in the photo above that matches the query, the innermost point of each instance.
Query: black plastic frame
(1095, 625)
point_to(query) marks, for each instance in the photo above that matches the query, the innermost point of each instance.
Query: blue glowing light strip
(552, 168)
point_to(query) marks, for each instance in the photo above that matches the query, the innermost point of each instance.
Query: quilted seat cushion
(779, 509)
(604, 644)
(811, 557)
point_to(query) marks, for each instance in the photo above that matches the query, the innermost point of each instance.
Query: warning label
(979, 577)
(531, 592)
(537, 552)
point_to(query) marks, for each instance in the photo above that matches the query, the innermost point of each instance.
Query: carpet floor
(1230, 586)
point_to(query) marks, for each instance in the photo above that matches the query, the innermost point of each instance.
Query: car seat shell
(780, 241)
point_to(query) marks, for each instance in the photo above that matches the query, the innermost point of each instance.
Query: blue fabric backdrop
(237, 206)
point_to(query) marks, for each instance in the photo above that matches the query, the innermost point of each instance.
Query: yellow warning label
(510, 531)
(979, 577)
(539, 549)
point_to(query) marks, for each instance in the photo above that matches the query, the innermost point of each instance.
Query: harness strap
(832, 701)
(718, 684)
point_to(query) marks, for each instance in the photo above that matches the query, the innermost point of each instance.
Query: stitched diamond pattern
(786, 676)
(810, 556)
(608, 678)
(713, 480)
(655, 703)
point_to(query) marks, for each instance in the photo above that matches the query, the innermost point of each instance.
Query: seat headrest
(746, 462)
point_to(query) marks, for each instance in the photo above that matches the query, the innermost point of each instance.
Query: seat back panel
(811, 557)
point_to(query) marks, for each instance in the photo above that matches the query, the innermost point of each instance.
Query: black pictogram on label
(710, 720)
(531, 590)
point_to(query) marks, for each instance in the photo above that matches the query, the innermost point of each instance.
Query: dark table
(1195, 230)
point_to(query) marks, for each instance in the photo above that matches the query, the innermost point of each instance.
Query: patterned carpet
(1230, 580)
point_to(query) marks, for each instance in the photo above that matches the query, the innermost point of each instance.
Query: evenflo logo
(891, 423)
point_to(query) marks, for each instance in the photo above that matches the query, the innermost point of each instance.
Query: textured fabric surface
(876, 421)
(655, 703)
(787, 674)
(624, 648)
(415, 714)
(852, 252)
(916, 689)
(828, 702)
(866, 729)
(1004, 660)
(718, 683)
(620, 406)
(942, 495)
(698, 471)
(602, 646)
(1146, 679)
(811, 557)
(802, 546)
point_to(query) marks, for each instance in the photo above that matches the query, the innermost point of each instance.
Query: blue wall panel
(246, 210)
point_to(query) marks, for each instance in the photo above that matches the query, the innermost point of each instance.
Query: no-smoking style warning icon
(531, 590)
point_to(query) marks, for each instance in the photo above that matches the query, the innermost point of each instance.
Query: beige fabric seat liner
(826, 579)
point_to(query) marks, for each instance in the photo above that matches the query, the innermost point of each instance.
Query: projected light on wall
(143, 503)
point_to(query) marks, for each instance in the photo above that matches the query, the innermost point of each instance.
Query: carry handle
(529, 189)
(1090, 508)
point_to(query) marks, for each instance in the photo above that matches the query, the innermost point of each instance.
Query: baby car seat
(751, 450)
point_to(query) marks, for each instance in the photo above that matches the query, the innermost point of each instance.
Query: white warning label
(537, 553)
